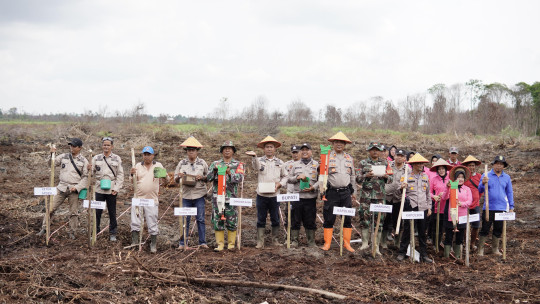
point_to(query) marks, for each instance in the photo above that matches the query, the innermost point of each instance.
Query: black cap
(295, 148)
(305, 145)
(76, 142)
(401, 152)
(501, 159)
(383, 147)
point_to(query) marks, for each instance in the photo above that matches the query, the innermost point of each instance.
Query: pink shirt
(438, 186)
(429, 173)
(465, 197)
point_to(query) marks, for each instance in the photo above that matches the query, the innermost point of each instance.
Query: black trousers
(111, 209)
(304, 211)
(449, 227)
(486, 226)
(421, 225)
(336, 198)
(390, 220)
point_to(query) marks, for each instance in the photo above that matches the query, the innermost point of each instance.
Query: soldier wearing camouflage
(372, 190)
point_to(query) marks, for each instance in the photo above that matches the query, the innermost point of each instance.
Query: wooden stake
(49, 202)
(181, 218)
(402, 200)
(486, 194)
(375, 234)
(288, 225)
(89, 197)
(138, 210)
(239, 228)
(341, 236)
(94, 228)
(504, 241)
(412, 242)
(437, 225)
(467, 240)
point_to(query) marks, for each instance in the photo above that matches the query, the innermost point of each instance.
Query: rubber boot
(134, 237)
(220, 240)
(310, 234)
(495, 244)
(260, 238)
(327, 238)
(294, 238)
(365, 239)
(384, 238)
(153, 243)
(275, 236)
(474, 236)
(379, 238)
(447, 249)
(457, 252)
(481, 244)
(347, 239)
(231, 239)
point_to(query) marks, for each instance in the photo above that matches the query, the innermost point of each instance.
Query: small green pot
(82, 193)
(105, 184)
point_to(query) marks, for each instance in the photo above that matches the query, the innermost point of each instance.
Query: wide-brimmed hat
(501, 159)
(375, 145)
(458, 169)
(418, 159)
(438, 163)
(471, 159)
(228, 143)
(269, 139)
(340, 136)
(191, 142)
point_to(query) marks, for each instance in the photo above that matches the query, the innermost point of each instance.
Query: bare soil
(70, 271)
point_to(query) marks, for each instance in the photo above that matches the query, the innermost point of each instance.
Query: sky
(183, 57)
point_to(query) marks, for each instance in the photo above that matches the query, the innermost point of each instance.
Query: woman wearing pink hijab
(439, 195)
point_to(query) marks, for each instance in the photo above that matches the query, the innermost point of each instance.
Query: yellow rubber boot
(327, 238)
(220, 240)
(347, 239)
(231, 239)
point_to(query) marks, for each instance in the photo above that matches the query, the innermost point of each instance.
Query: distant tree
(476, 90)
(414, 107)
(298, 113)
(390, 117)
(221, 112)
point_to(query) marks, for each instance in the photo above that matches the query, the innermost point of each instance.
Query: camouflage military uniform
(372, 190)
(232, 181)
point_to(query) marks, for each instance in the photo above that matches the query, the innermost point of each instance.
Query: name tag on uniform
(142, 202)
(380, 208)
(344, 211)
(95, 204)
(505, 216)
(242, 202)
(472, 218)
(413, 215)
(45, 191)
(289, 197)
(185, 211)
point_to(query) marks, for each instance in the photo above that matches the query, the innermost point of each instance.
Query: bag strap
(74, 166)
(475, 185)
(105, 159)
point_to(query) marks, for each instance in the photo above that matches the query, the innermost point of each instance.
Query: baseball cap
(76, 142)
(148, 149)
(305, 145)
(401, 152)
(453, 150)
(295, 148)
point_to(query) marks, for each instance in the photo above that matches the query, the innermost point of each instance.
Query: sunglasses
(107, 138)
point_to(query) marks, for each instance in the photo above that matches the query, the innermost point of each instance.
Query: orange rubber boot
(327, 238)
(347, 239)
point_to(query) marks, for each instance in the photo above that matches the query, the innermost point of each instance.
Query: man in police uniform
(393, 194)
(372, 192)
(73, 178)
(341, 189)
(108, 166)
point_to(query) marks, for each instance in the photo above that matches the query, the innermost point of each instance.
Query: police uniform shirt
(198, 167)
(102, 171)
(68, 175)
(270, 170)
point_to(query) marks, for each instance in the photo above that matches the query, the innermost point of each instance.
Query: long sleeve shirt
(309, 170)
(418, 191)
(68, 175)
(500, 190)
(439, 186)
(372, 187)
(102, 171)
(232, 179)
(270, 170)
(465, 198)
(393, 191)
(196, 168)
(341, 171)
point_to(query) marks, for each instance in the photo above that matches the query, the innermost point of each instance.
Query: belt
(338, 189)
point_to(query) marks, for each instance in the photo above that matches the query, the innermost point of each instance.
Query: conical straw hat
(269, 139)
(417, 159)
(191, 142)
(460, 168)
(438, 163)
(471, 159)
(340, 136)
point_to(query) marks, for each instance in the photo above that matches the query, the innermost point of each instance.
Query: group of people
(442, 190)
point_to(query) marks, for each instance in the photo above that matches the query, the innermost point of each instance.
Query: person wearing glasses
(109, 179)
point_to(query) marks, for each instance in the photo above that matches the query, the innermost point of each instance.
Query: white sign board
(95, 204)
(243, 202)
(45, 191)
(289, 197)
(472, 218)
(379, 170)
(142, 202)
(505, 216)
(380, 208)
(185, 211)
(413, 215)
(344, 211)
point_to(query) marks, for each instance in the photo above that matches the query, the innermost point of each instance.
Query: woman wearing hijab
(464, 200)
(439, 196)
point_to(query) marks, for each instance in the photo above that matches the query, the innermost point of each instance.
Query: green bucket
(304, 184)
(105, 184)
(160, 172)
(82, 193)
